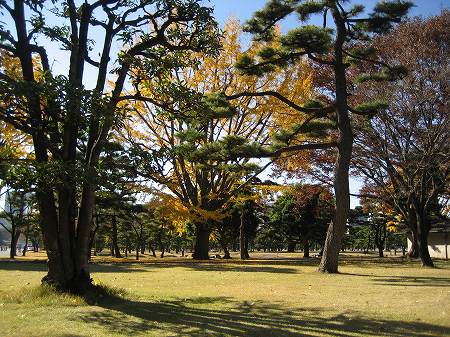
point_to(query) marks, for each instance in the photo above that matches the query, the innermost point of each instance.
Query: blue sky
(243, 9)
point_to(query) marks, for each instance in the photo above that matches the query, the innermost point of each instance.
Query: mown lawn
(279, 297)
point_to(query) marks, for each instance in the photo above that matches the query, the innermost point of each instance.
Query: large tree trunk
(305, 247)
(380, 239)
(380, 251)
(201, 248)
(247, 255)
(413, 252)
(92, 238)
(224, 245)
(152, 249)
(412, 225)
(57, 222)
(336, 230)
(422, 236)
(14, 238)
(291, 246)
(226, 253)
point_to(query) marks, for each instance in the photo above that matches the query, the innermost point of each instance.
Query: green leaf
(371, 108)
(311, 39)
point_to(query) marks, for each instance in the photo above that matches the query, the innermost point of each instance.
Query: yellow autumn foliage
(256, 119)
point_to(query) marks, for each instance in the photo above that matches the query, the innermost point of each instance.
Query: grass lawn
(281, 296)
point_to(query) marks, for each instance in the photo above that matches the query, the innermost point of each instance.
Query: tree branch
(288, 102)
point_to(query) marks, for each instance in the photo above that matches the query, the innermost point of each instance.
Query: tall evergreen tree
(334, 47)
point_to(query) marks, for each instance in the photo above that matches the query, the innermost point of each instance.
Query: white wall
(438, 245)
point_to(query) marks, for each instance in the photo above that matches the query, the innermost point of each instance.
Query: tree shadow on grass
(205, 266)
(413, 281)
(143, 267)
(42, 266)
(190, 318)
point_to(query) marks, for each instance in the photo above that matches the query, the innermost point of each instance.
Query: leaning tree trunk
(336, 230)
(201, 248)
(27, 235)
(413, 252)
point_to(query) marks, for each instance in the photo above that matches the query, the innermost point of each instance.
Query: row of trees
(178, 116)
(297, 219)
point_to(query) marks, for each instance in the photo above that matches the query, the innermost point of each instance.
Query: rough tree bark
(305, 247)
(336, 230)
(201, 247)
(423, 229)
(115, 245)
(291, 246)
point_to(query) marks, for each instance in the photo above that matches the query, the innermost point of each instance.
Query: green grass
(282, 297)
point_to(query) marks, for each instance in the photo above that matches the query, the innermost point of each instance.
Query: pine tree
(337, 47)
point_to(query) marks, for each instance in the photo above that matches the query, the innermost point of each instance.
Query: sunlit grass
(284, 296)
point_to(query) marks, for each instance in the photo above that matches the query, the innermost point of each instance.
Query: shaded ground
(283, 296)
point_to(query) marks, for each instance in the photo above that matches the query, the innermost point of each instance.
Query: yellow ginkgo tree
(189, 140)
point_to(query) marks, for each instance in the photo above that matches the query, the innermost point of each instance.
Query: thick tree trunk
(201, 248)
(291, 247)
(247, 255)
(305, 247)
(14, 238)
(92, 241)
(152, 249)
(82, 277)
(226, 253)
(336, 230)
(224, 245)
(380, 251)
(413, 252)
(422, 236)
(57, 240)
